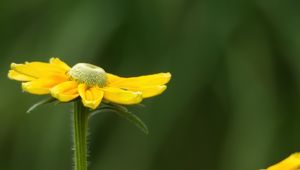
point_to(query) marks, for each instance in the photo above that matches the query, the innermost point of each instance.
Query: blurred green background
(233, 102)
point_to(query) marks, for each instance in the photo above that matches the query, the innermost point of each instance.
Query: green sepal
(123, 112)
(40, 103)
(141, 105)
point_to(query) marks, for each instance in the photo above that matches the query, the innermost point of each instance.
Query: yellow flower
(290, 163)
(87, 81)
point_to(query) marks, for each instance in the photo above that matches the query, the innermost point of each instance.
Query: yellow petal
(19, 77)
(58, 63)
(149, 85)
(120, 96)
(40, 69)
(91, 96)
(290, 163)
(141, 81)
(151, 91)
(42, 85)
(112, 78)
(65, 91)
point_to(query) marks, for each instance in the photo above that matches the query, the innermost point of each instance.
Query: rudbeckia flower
(290, 163)
(89, 82)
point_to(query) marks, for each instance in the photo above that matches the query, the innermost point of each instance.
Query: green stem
(80, 127)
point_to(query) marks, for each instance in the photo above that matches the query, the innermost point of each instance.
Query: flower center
(88, 74)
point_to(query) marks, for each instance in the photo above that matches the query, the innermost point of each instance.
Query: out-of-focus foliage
(233, 102)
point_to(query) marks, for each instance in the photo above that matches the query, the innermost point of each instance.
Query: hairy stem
(80, 126)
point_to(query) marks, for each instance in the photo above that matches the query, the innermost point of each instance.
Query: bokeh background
(233, 102)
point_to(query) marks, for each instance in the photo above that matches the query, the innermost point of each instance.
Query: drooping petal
(12, 74)
(37, 70)
(141, 81)
(120, 96)
(91, 96)
(151, 91)
(149, 85)
(65, 91)
(42, 85)
(290, 163)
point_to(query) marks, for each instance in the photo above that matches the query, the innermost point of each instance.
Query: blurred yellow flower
(290, 163)
(87, 81)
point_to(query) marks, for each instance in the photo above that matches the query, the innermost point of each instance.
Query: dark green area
(233, 102)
